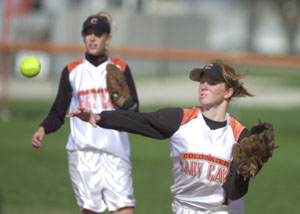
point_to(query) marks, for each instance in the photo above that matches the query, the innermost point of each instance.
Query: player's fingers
(36, 144)
(93, 123)
(73, 113)
(40, 138)
(84, 110)
(81, 108)
(36, 139)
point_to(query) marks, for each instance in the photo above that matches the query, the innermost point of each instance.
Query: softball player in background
(201, 140)
(99, 159)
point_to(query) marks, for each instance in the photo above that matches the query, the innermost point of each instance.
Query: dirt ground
(178, 91)
(175, 91)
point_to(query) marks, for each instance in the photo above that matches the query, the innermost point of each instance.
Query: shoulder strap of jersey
(189, 114)
(119, 62)
(236, 126)
(73, 65)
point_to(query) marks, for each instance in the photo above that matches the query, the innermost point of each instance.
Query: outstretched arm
(160, 124)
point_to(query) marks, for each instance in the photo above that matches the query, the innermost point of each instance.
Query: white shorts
(100, 180)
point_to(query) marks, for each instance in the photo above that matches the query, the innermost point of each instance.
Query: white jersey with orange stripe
(201, 154)
(201, 162)
(92, 93)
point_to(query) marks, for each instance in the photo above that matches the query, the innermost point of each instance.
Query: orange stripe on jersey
(236, 126)
(73, 65)
(119, 62)
(189, 114)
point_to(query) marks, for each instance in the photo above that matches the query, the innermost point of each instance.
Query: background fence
(166, 82)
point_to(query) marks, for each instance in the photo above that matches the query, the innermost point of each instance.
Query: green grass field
(36, 181)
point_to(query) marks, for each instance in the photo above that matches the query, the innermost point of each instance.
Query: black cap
(213, 70)
(100, 24)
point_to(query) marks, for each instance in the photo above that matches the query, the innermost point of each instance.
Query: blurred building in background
(268, 27)
(265, 26)
(259, 26)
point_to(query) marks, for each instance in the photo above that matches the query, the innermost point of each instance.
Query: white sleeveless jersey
(201, 161)
(89, 90)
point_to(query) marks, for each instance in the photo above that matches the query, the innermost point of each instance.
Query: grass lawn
(36, 181)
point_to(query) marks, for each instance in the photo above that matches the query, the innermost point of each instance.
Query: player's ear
(108, 39)
(228, 94)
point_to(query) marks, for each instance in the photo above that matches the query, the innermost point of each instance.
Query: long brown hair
(231, 76)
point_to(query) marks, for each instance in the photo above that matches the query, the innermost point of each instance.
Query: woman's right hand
(38, 137)
(85, 115)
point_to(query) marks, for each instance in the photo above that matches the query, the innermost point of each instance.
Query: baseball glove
(118, 89)
(252, 152)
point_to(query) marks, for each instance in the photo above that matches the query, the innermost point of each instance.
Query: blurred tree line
(289, 13)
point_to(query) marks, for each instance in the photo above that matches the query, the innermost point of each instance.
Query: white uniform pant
(235, 207)
(100, 180)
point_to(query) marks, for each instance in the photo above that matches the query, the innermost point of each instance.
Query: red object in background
(12, 8)
(23, 7)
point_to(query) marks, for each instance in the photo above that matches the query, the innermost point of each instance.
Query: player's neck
(96, 60)
(217, 114)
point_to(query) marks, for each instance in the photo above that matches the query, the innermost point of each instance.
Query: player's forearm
(159, 125)
(131, 86)
(129, 122)
(236, 186)
(55, 118)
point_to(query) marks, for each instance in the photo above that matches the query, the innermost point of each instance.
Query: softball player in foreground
(99, 159)
(201, 140)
